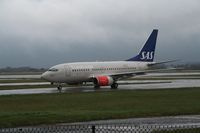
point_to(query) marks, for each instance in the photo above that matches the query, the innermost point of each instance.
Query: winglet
(147, 52)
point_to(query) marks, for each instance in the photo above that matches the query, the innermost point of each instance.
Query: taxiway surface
(124, 85)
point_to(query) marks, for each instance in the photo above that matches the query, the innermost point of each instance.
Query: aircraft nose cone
(44, 76)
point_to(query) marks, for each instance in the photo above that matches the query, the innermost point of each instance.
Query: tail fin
(147, 52)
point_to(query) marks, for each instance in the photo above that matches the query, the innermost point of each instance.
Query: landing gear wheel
(59, 88)
(114, 86)
(96, 86)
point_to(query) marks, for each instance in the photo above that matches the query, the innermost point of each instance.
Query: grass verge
(23, 110)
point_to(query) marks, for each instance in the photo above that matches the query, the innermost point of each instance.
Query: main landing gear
(114, 86)
(96, 86)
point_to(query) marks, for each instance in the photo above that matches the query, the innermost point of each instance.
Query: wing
(158, 63)
(125, 75)
(131, 74)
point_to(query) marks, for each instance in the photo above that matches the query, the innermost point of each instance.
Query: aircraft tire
(114, 86)
(59, 88)
(96, 86)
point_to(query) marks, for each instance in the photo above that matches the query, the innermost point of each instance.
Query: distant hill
(22, 70)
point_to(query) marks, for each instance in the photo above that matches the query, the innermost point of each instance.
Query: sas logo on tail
(147, 55)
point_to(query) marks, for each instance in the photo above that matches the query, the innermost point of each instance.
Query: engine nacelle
(103, 80)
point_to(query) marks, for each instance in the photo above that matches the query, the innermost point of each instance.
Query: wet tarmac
(120, 82)
(167, 120)
(134, 84)
(123, 85)
(171, 84)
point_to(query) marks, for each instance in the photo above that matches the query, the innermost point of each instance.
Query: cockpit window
(53, 70)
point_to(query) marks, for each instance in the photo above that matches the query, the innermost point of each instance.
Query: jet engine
(103, 81)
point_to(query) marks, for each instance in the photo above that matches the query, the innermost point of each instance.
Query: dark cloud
(42, 33)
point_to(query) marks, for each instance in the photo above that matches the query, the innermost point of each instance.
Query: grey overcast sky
(42, 33)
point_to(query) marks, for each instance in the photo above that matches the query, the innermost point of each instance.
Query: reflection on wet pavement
(132, 85)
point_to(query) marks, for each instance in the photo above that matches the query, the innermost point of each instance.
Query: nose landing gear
(59, 87)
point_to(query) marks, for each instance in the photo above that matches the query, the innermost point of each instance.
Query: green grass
(22, 110)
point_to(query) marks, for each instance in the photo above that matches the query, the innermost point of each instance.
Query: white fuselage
(79, 72)
(104, 73)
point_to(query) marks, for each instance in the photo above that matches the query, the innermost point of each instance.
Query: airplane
(105, 73)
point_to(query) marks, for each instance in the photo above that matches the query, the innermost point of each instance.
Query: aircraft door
(68, 71)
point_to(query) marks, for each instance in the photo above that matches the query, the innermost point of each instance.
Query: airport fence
(106, 128)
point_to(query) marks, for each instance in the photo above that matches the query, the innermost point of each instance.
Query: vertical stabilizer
(147, 52)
